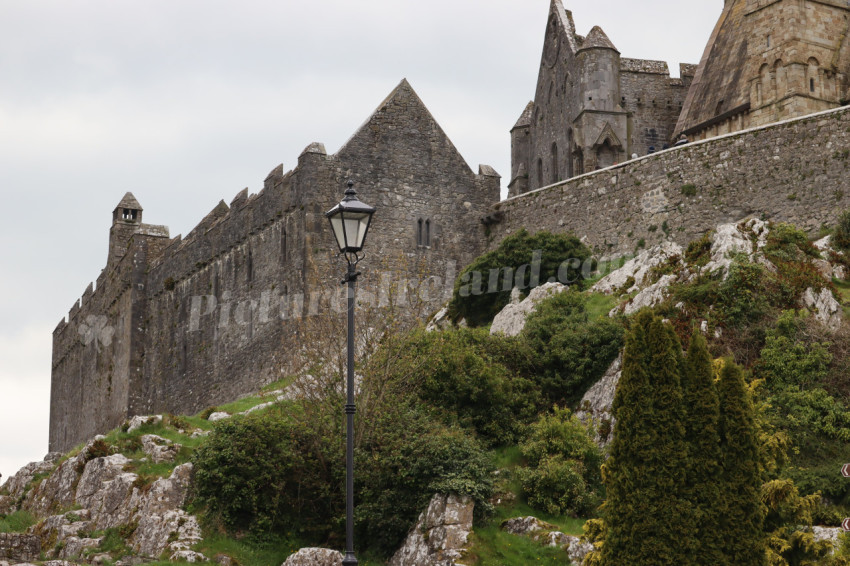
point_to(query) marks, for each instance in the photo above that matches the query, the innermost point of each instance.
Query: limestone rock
(440, 536)
(138, 421)
(648, 297)
(218, 416)
(57, 491)
(187, 556)
(160, 449)
(577, 550)
(17, 483)
(638, 268)
(727, 240)
(314, 557)
(831, 534)
(439, 321)
(826, 309)
(259, 407)
(511, 320)
(526, 525)
(595, 406)
(75, 546)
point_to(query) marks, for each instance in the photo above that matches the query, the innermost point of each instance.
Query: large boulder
(441, 534)
(315, 557)
(511, 320)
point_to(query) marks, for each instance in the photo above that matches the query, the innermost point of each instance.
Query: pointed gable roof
(401, 121)
(597, 39)
(525, 117)
(129, 202)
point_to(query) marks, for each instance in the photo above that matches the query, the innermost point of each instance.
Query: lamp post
(350, 221)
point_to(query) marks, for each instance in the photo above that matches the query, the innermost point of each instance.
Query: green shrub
(842, 232)
(572, 351)
(473, 379)
(787, 361)
(689, 190)
(521, 260)
(698, 252)
(786, 242)
(274, 473)
(563, 470)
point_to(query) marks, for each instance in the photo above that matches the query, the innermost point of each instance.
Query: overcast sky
(186, 102)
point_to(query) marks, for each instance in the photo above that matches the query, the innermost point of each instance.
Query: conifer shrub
(572, 350)
(743, 513)
(563, 465)
(521, 260)
(648, 517)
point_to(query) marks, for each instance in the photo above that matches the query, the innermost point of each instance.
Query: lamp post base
(349, 559)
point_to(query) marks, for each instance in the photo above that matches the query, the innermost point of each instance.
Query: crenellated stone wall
(795, 171)
(177, 325)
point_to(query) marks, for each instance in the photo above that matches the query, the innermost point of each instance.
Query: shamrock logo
(95, 329)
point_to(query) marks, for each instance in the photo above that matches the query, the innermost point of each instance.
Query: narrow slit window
(811, 85)
(419, 235)
(427, 233)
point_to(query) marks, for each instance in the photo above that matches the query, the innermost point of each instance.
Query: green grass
(599, 305)
(492, 546)
(843, 288)
(17, 522)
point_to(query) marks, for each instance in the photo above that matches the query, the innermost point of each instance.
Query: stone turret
(520, 151)
(600, 72)
(126, 221)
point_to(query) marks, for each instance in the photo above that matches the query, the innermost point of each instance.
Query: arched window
(778, 79)
(555, 175)
(813, 75)
(539, 173)
(579, 169)
(605, 155)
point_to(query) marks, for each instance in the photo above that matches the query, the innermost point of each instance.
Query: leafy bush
(786, 242)
(563, 471)
(787, 361)
(275, 472)
(572, 351)
(473, 379)
(521, 260)
(842, 232)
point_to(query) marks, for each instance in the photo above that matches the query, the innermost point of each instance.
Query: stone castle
(180, 324)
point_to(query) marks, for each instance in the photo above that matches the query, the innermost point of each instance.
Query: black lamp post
(350, 221)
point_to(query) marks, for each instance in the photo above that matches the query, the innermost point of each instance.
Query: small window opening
(768, 41)
(811, 85)
(129, 214)
(539, 172)
(420, 237)
(427, 233)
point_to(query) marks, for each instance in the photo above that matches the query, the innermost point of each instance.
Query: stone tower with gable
(592, 108)
(180, 324)
(766, 61)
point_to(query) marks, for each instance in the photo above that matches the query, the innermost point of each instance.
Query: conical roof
(597, 39)
(525, 117)
(129, 202)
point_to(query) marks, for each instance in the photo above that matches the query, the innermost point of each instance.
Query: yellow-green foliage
(562, 473)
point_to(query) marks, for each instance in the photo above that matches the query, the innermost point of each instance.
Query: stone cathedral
(178, 324)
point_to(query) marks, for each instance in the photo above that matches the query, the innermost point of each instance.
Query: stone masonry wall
(19, 547)
(795, 171)
(177, 325)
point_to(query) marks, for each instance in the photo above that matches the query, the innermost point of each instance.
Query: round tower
(599, 62)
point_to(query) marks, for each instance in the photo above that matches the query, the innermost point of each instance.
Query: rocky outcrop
(441, 534)
(109, 496)
(635, 273)
(160, 449)
(827, 310)
(832, 534)
(315, 557)
(511, 320)
(595, 406)
(17, 484)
